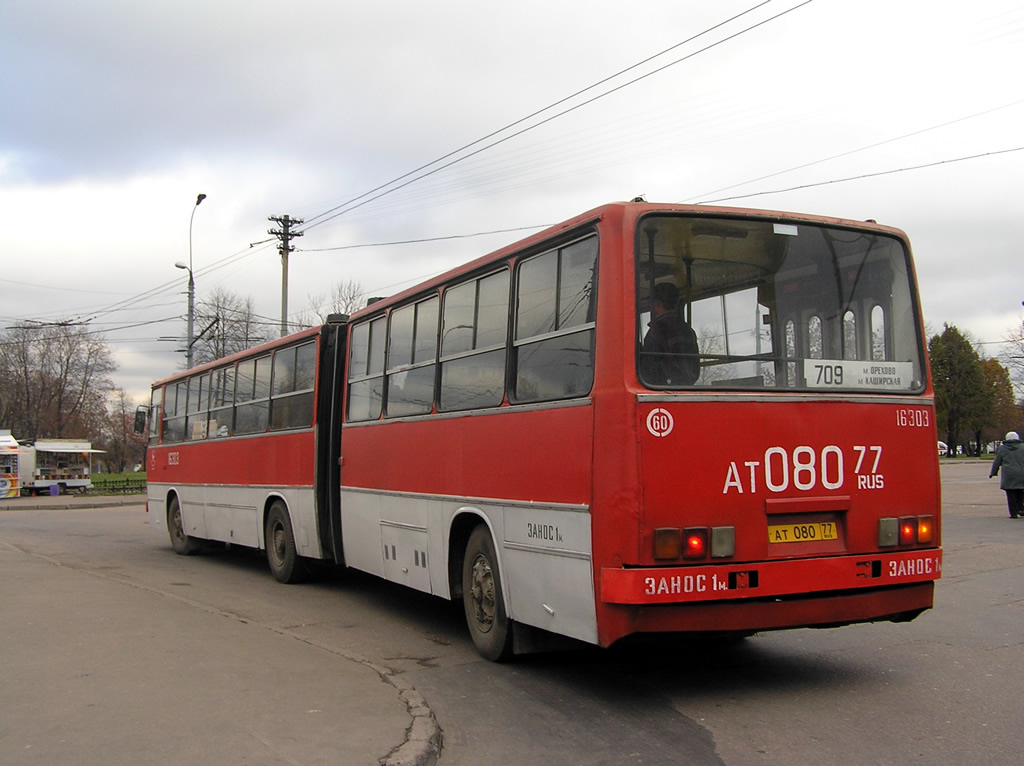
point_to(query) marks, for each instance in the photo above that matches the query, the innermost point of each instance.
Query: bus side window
(473, 339)
(156, 414)
(198, 407)
(366, 370)
(292, 402)
(252, 396)
(556, 303)
(222, 409)
(174, 413)
(412, 354)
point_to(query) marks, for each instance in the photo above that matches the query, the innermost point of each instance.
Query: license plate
(803, 533)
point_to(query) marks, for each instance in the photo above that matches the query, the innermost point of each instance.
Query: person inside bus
(669, 356)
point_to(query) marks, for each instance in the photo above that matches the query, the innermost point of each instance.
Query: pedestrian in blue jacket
(1010, 457)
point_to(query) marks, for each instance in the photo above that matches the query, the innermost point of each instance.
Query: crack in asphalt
(423, 737)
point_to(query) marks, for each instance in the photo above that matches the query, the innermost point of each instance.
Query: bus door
(330, 405)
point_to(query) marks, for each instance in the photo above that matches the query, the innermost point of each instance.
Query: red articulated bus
(648, 419)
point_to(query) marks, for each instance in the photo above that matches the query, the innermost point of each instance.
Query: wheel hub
(482, 593)
(278, 542)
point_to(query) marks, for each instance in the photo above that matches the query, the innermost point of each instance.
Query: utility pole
(285, 234)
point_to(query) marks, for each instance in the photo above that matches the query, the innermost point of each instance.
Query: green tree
(961, 396)
(1001, 413)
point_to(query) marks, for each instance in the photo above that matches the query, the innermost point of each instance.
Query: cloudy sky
(115, 114)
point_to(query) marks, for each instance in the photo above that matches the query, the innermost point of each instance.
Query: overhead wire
(313, 221)
(239, 257)
(87, 316)
(863, 176)
(134, 300)
(242, 255)
(421, 240)
(855, 151)
(382, 190)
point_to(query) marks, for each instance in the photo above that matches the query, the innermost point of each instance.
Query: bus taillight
(695, 542)
(671, 544)
(667, 544)
(906, 530)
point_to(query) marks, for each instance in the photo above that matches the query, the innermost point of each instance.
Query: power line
(349, 206)
(63, 289)
(325, 216)
(705, 202)
(424, 239)
(863, 176)
(861, 149)
(228, 260)
(521, 120)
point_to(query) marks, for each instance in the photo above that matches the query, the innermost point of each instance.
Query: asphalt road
(208, 658)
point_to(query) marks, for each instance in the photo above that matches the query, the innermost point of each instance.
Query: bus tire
(285, 563)
(482, 598)
(183, 544)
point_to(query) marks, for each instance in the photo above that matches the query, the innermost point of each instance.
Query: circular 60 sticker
(659, 422)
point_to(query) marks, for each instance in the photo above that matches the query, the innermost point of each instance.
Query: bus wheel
(285, 563)
(482, 599)
(182, 543)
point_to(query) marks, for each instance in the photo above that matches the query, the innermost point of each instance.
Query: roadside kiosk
(10, 485)
(56, 466)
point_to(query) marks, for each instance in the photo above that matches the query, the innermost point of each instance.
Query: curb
(99, 502)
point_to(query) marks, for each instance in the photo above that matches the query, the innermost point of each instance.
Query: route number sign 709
(829, 374)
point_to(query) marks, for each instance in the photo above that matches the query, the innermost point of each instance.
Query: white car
(943, 449)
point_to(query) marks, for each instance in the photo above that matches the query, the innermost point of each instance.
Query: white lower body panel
(233, 514)
(544, 551)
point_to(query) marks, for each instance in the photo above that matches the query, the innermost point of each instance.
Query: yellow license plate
(803, 533)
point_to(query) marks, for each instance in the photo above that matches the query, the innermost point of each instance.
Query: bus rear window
(757, 303)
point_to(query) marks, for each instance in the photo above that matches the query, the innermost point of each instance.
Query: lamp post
(191, 312)
(191, 286)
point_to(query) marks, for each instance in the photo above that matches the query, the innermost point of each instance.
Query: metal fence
(126, 485)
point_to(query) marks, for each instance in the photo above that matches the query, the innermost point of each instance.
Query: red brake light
(695, 543)
(908, 530)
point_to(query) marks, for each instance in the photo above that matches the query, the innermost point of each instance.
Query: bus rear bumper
(780, 578)
(900, 603)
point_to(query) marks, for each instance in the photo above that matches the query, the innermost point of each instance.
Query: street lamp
(191, 312)
(191, 286)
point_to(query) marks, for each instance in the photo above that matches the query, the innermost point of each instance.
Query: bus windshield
(759, 303)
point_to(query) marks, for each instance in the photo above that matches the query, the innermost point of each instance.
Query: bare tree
(1013, 357)
(227, 323)
(123, 446)
(709, 344)
(53, 381)
(345, 298)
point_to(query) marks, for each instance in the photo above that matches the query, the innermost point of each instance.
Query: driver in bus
(669, 356)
